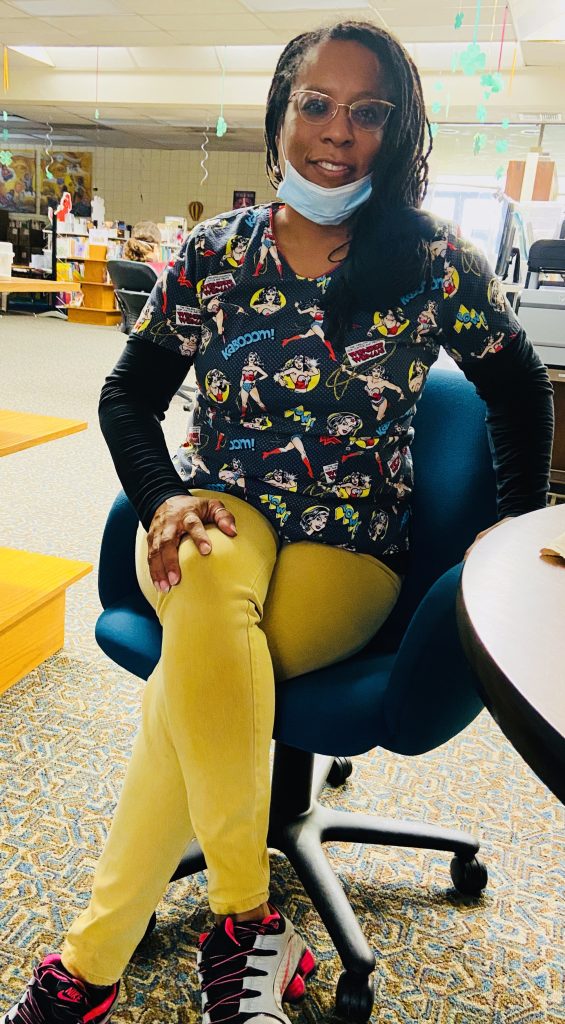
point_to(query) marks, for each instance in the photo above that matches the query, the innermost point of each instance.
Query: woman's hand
(176, 517)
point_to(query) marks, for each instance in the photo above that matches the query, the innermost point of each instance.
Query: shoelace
(220, 960)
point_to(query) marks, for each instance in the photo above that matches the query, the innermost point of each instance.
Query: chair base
(299, 826)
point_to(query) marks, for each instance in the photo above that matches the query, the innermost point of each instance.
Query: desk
(8, 285)
(32, 586)
(19, 430)
(30, 285)
(511, 617)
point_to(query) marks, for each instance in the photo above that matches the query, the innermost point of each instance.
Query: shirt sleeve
(137, 393)
(477, 319)
(171, 316)
(484, 336)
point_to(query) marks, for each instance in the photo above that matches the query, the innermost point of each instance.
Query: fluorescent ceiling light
(38, 53)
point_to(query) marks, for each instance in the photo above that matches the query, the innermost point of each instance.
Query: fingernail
(233, 530)
(205, 549)
(173, 578)
(165, 586)
(156, 585)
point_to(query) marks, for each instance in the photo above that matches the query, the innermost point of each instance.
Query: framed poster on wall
(241, 199)
(70, 172)
(17, 184)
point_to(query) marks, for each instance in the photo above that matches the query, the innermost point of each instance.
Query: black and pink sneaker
(53, 996)
(247, 968)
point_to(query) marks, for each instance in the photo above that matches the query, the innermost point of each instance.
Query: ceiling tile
(184, 8)
(9, 12)
(51, 8)
(198, 22)
(33, 32)
(223, 36)
(87, 27)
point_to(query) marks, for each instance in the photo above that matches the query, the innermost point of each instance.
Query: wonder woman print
(251, 373)
(316, 327)
(375, 384)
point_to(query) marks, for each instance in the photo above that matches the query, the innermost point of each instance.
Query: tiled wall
(150, 184)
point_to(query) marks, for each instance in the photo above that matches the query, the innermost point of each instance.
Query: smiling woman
(262, 513)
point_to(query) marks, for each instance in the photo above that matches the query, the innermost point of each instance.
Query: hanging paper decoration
(472, 60)
(6, 70)
(221, 124)
(436, 107)
(5, 131)
(500, 172)
(205, 154)
(479, 142)
(492, 83)
(501, 145)
(434, 128)
(513, 68)
(493, 20)
(502, 36)
(48, 153)
(459, 19)
(506, 122)
(481, 113)
(5, 157)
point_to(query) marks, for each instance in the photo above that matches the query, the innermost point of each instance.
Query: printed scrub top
(316, 440)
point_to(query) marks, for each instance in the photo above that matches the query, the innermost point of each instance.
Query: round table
(511, 617)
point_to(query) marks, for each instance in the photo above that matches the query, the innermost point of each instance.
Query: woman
(144, 246)
(345, 133)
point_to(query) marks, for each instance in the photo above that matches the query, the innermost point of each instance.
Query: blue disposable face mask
(318, 204)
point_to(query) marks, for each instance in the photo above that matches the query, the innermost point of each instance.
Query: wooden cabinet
(99, 303)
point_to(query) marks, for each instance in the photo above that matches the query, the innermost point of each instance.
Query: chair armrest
(116, 572)
(432, 692)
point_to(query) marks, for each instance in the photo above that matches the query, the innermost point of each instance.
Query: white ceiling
(154, 69)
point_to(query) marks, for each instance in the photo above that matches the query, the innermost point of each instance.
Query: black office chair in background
(133, 283)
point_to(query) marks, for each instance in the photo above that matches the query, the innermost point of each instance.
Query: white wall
(139, 184)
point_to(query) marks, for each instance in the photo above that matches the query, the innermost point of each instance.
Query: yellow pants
(240, 618)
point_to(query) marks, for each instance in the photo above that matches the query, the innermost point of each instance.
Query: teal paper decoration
(501, 145)
(506, 122)
(471, 60)
(221, 126)
(438, 86)
(481, 113)
(479, 142)
(458, 19)
(499, 173)
(436, 107)
(5, 157)
(434, 128)
(493, 82)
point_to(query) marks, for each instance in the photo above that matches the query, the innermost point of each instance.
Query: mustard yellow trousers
(241, 617)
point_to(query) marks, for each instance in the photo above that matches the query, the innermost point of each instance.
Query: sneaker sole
(296, 988)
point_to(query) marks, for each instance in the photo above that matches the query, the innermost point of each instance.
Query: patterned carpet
(65, 734)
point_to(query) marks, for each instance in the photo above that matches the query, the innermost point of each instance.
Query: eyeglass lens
(317, 108)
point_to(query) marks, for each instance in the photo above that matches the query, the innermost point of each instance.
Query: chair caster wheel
(340, 771)
(354, 997)
(469, 877)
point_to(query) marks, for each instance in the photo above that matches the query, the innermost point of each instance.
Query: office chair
(133, 283)
(325, 717)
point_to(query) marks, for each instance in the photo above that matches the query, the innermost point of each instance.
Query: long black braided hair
(387, 255)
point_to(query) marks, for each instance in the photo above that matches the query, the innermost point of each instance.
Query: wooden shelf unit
(99, 305)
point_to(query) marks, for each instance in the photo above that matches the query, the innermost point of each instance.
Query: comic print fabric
(317, 440)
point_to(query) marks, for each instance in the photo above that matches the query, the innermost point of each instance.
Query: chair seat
(130, 634)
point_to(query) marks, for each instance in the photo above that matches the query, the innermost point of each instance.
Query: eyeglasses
(317, 108)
